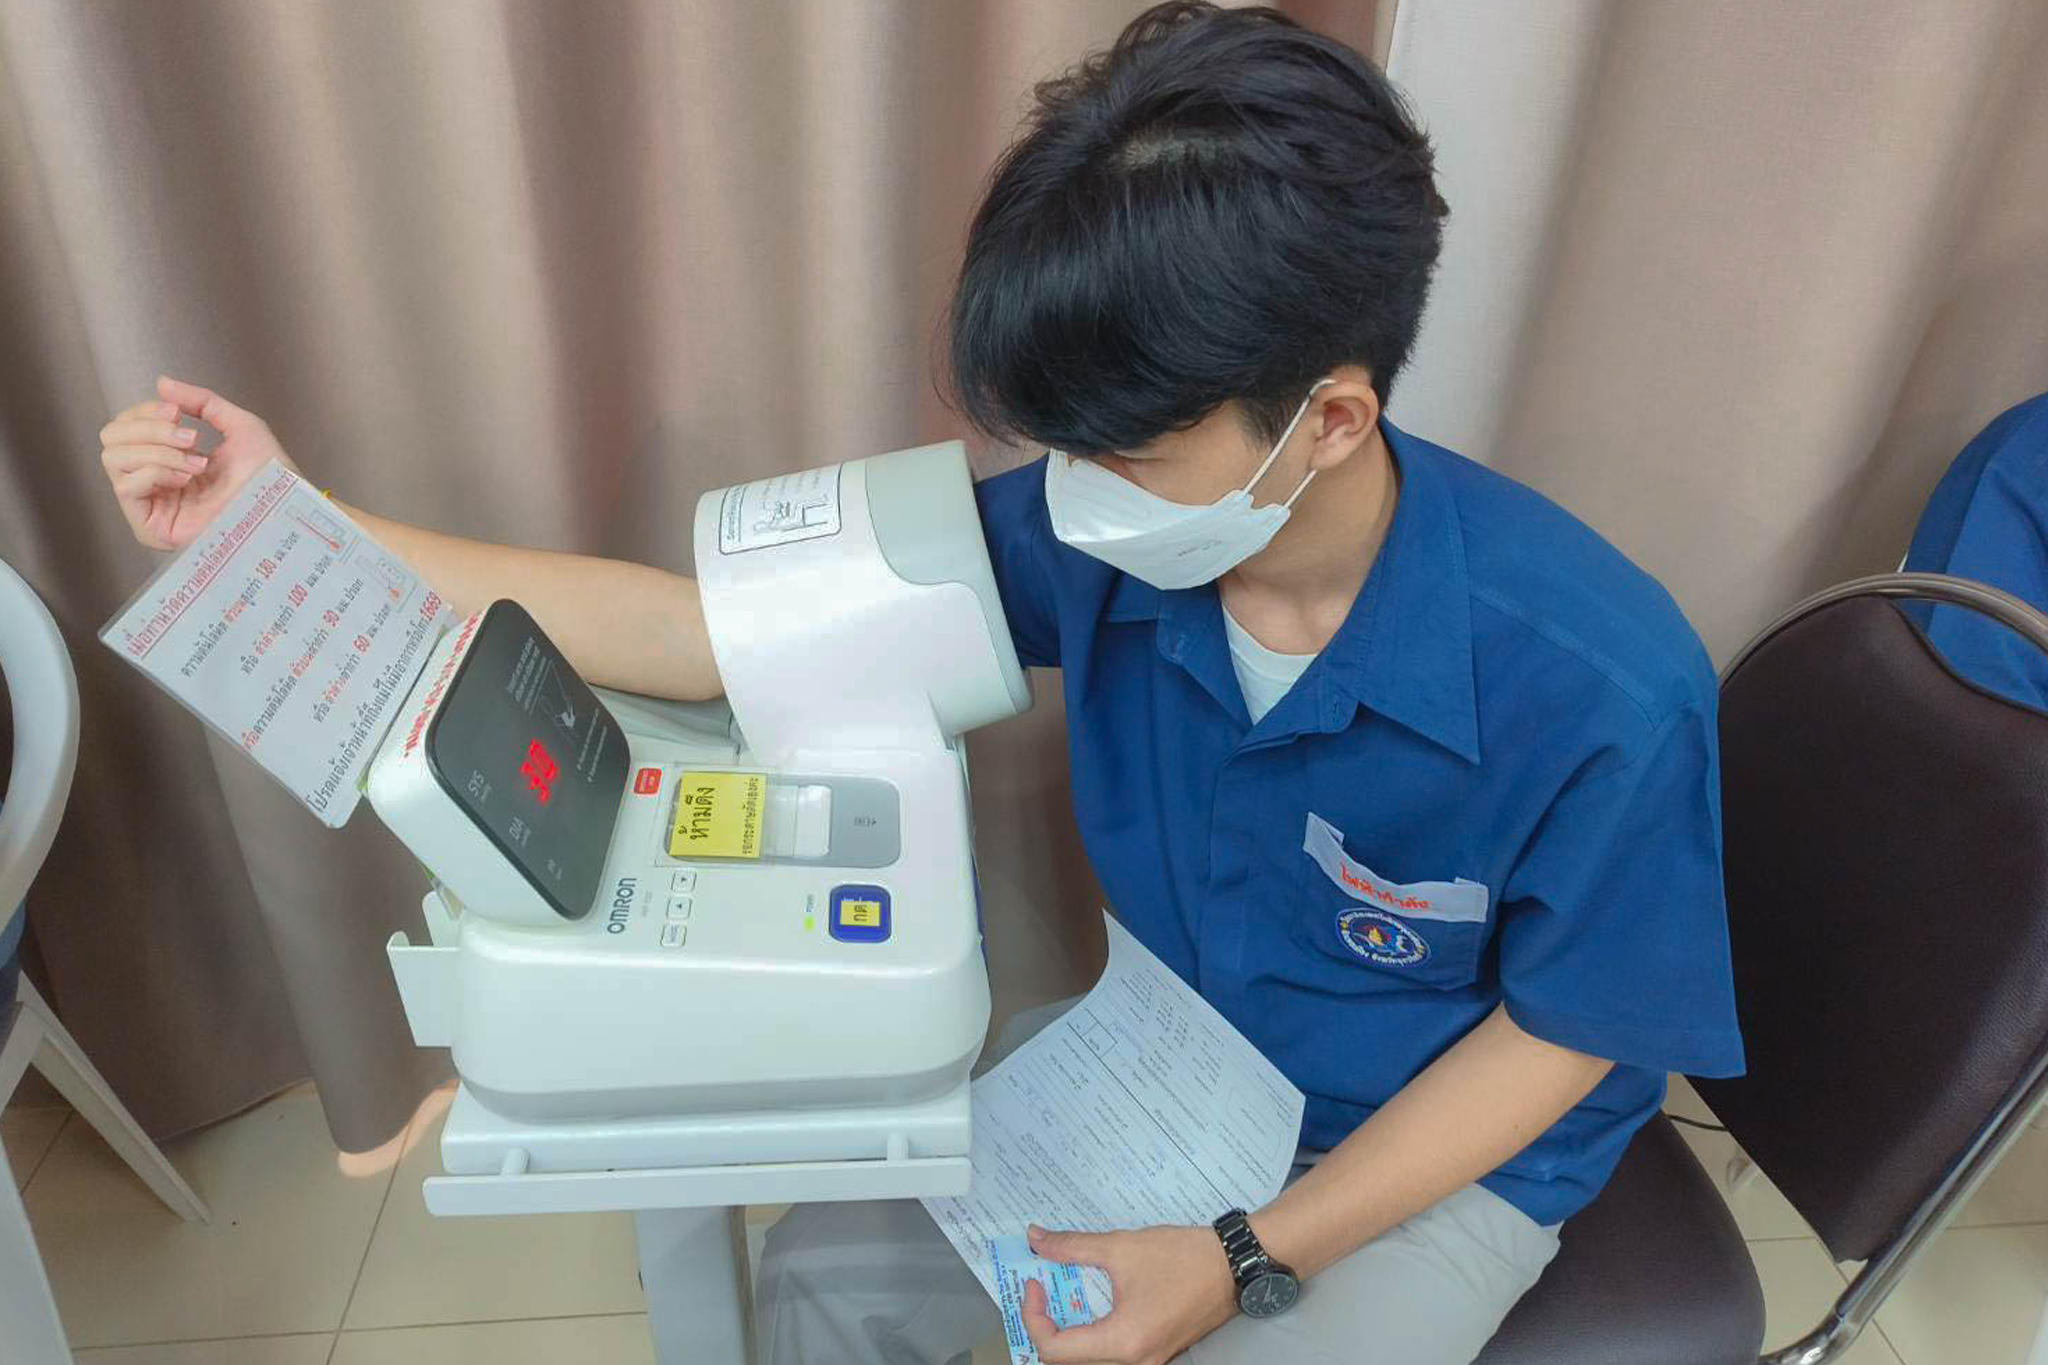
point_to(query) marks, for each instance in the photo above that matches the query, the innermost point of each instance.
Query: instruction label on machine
(718, 815)
(779, 511)
(289, 631)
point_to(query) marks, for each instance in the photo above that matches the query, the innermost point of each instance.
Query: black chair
(1886, 856)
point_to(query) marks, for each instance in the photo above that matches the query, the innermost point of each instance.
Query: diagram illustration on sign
(322, 526)
(371, 560)
(778, 511)
(790, 514)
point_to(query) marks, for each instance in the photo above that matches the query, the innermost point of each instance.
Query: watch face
(1272, 1293)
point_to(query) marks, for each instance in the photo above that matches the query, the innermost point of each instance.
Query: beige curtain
(1732, 281)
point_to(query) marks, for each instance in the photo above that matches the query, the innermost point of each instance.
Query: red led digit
(539, 771)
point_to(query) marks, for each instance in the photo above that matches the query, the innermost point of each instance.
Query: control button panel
(679, 907)
(684, 880)
(672, 935)
(859, 914)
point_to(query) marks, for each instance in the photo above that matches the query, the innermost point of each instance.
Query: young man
(1407, 771)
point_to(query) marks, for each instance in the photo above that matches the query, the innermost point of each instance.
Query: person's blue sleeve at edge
(1987, 520)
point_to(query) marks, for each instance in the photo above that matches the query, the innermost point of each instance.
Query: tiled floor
(304, 1266)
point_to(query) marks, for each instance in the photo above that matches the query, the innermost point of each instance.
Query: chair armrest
(44, 692)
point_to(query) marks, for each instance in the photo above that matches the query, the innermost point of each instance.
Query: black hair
(1222, 205)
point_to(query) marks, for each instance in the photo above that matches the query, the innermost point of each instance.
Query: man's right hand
(167, 491)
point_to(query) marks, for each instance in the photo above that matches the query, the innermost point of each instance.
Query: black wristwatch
(1265, 1288)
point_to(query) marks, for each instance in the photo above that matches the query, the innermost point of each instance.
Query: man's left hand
(1172, 1287)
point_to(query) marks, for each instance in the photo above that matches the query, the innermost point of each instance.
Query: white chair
(45, 702)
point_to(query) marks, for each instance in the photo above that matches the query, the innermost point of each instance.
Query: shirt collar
(1404, 650)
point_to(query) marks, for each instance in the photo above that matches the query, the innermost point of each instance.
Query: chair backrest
(44, 694)
(1886, 834)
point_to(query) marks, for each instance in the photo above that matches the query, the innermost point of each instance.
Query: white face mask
(1167, 544)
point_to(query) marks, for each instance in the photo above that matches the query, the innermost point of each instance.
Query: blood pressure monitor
(664, 937)
(507, 774)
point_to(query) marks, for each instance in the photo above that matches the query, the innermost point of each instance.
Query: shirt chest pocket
(1427, 934)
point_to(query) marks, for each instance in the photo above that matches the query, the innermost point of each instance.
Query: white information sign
(291, 632)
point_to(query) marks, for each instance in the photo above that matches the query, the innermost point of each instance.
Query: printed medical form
(1139, 1106)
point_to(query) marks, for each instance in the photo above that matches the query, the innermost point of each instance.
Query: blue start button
(859, 914)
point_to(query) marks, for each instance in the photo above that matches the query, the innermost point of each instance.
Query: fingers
(126, 459)
(126, 430)
(206, 403)
(141, 483)
(1065, 1246)
(1096, 1341)
(1038, 1324)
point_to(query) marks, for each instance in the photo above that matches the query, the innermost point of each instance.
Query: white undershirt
(1263, 674)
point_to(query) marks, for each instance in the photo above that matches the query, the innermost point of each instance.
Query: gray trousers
(876, 1283)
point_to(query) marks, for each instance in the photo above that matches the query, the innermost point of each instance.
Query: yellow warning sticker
(718, 815)
(861, 914)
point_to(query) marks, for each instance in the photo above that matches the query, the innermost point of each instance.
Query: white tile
(1760, 1210)
(422, 1269)
(1681, 1099)
(1976, 1296)
(305, 1349)
(28, 1134)
(289, 1231)
(620, 1340)
(2017, 1190)
(1800, 1283)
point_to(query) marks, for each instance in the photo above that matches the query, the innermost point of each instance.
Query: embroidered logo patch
(1381, 938)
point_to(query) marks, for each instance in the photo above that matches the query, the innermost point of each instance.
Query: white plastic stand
(701, 1187)
(690, 1267)
(686, 1217)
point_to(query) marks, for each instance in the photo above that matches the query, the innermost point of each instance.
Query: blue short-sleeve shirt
(1988, 520)
(1509, 703)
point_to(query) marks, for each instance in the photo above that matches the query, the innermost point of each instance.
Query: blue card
(1074, 1294)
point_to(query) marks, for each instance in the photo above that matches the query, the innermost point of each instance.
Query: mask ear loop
(1281, 444)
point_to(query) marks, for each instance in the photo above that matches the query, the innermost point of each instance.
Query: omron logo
(622, 905)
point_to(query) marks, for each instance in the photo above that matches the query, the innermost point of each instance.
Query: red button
(647, 781)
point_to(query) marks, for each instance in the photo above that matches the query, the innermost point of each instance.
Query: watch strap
(1241, 1247)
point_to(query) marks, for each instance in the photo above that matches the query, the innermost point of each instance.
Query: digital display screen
(540, 770)
(525, 747)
